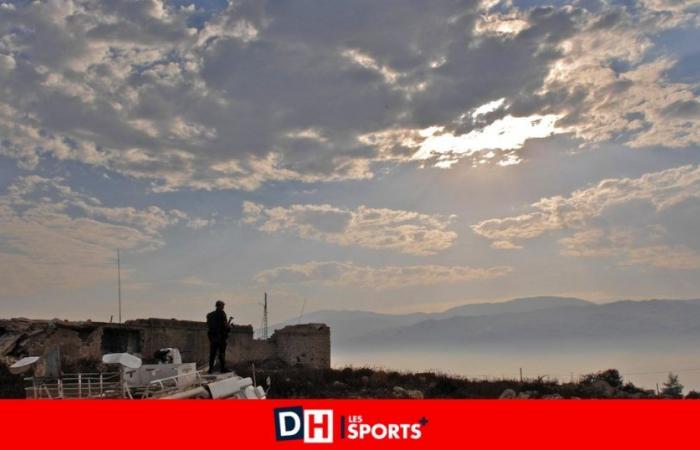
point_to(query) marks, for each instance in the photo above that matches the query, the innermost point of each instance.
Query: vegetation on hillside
(377, 383)
(366, 382)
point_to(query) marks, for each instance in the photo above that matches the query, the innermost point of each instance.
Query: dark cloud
(683, 109)
(273, 91)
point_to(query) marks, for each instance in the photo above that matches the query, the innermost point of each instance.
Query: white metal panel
(228, 386)
(23, 364)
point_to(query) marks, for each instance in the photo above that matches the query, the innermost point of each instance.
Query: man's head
(220, 305)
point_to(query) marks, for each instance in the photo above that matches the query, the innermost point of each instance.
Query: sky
(392, 156)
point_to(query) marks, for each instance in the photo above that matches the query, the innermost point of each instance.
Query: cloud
(639, 107)
(507, 133)
(630, 247)
(336, 273)
(261, 92)
(376, 228)
(611, 83)
(661, 189)
(501, 24)
(670, 5)
(54, 237)
(601, 84)
(642, 242)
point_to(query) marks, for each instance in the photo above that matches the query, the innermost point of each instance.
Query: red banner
(349, 424)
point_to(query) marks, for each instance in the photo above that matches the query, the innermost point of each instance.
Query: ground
(377, 383)
(353, 382)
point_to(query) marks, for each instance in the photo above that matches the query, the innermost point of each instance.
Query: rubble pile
(22, 337)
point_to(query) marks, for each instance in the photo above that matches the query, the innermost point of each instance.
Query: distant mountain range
(519, 321)
(351, 324)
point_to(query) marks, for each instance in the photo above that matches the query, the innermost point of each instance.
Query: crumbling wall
(119, 339)
(242, 347)
(76, 341)
(188, 336)
(306, 345)
(191, 339)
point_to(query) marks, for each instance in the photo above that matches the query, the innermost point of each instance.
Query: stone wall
(306, 345)
(188, 336)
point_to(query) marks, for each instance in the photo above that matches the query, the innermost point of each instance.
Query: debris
(552, 397)
(23, 365)
(399, 391)
(124, 359)
(508, 394)
(415, 394)
(135, 380)
(8, 343)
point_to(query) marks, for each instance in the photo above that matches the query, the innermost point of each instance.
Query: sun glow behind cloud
(488, 107)
(507, 133)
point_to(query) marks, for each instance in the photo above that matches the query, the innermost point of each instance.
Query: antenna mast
(119, 285)
(301, 314)
(264, 327)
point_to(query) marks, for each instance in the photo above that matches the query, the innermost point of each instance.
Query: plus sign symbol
(423, 421)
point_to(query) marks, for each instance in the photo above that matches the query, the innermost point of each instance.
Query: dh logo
(314, 426)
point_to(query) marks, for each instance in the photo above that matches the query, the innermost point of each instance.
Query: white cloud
(54, 237)
(633, 245)
(614, 90)
(629, 247)
(508, 133)
(662, 189)
(488, 107)
(501, 24)
(366, 61)
(670, 5)
(377, 228)
(492, 142)
(336, 273)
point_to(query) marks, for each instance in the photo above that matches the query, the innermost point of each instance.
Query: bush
(672, 387)
(630, 388)
(692, 395)
(610, 376)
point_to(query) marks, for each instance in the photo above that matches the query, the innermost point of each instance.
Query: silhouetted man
(219, 328)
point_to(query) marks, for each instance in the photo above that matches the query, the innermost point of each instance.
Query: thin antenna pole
(301, 314)
(119, 285)
(265, 318)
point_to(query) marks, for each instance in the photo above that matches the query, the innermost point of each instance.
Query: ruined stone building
(305, 345)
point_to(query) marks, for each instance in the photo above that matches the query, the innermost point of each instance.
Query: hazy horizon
(560, 338)
(644, 368)
(439, 308)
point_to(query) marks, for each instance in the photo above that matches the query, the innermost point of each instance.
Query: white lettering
(394, 431)
(352, 431)
(416, 432)
(283, 423)
(379, 431)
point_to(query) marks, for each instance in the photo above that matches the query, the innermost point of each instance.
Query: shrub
(692, 395)
(610, 376)
(672, 387)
